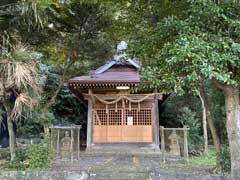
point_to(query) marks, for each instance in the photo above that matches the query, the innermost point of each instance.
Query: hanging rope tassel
(106, 108)
(139, 106)
(130, 106)
(123, 103)
(116, 108)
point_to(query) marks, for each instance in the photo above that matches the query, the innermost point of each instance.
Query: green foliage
(20, 162)
(224, 159)
(35, 157)
(29, 127)
(40, 155)
(202, 40)
(205, 160)
(169, 110)
(188, 118)
(69, 110)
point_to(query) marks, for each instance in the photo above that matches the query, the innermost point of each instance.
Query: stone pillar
(162, 143)
(72, 139)
(89, 123)
(185, 143)
(78, 138)
(58, 142)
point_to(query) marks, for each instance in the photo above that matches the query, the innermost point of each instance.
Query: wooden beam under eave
(159, 96)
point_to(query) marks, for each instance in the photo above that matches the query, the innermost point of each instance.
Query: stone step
(120, 153)
(119, 162)
(120, 176)
(121, 149)
(122, 146)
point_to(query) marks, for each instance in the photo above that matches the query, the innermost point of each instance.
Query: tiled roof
(111, 73)
(108, 65)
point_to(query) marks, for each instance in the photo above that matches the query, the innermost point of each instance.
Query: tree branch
(53, 98)
(219, 85)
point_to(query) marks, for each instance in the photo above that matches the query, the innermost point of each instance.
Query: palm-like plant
(19, 75)
(18, 12)
(18, 69)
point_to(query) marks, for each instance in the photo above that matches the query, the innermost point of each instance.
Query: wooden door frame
(155, 124)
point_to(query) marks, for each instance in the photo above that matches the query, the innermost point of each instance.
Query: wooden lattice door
(122, 125)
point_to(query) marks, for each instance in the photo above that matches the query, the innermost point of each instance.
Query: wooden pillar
(90, 123)
(156, 125)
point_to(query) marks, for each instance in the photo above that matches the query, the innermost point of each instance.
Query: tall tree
(69, 34)
(208, 115)
(19, 71)
(78, 32)
(19, 86)
(204, 124)
(203, 41)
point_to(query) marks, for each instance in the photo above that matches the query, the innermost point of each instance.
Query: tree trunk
(210, 121)
(11, 133)
(233, 128)
(11, 139)
(216, 140)
(205, 134)
(52, 101)
(45, 108)
(46, 129)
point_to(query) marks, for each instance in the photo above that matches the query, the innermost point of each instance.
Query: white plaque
(129, 120)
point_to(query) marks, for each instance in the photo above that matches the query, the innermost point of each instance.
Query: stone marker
(174, 143)
(66, 146)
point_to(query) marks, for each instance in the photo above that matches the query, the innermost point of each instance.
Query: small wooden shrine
(115, 114)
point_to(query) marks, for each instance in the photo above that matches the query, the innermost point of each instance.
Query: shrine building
(116, 114)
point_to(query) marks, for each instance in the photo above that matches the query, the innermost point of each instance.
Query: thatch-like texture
(19, 72)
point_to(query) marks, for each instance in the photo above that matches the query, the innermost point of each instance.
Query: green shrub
(224, 159)
(188, 118)
(20, 161)
(40, 155)
(29, 129)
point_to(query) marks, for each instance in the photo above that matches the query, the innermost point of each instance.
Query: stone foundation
(84, 175)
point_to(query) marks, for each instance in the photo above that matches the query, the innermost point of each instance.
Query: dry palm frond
(22, 102)
(20, 69)
(26, 74)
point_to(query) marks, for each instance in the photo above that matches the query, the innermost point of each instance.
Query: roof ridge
(109, 64)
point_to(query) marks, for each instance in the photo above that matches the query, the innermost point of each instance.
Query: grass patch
(205, 160)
